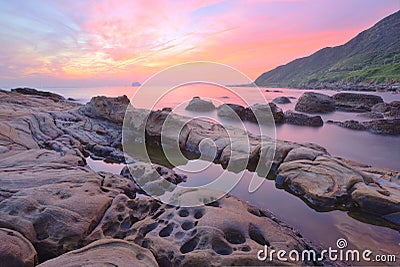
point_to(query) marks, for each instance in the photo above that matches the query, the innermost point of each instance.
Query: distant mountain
(370, 58)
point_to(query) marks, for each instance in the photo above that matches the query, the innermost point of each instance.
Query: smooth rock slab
(16, 250)
(107, 252)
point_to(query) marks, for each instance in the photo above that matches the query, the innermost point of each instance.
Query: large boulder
(107, 108)
(200, 105)
(303, 119)
(352, 102)
(327, 183)
(311, 102)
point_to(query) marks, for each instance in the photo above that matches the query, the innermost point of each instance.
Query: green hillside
(372, 57)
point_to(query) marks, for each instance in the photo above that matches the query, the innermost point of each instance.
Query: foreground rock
(106, 252)
(302, 119)
(311, 102)
(384, 127)
(200, 105)
(352, 102)
(15, 249)
(224, 233)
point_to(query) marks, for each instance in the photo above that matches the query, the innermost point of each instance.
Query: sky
(57, 43)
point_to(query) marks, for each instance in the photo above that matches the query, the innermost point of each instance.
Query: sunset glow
(68, 43)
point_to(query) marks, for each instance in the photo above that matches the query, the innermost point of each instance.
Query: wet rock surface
(384, 127)
(34, 92)
(295, 118)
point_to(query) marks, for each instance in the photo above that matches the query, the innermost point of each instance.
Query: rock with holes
(53, 200)
(108, 252)
(224, 232)
(16, 250)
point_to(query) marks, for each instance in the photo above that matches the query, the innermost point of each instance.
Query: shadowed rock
(302, 119)
(384, 127)
(352, 102)
(311, 102)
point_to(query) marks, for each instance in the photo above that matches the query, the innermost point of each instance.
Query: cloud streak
(115, 41)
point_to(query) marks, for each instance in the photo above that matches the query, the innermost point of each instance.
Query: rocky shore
(55, 210)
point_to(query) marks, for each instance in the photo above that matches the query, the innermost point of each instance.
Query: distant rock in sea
(136, 84)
